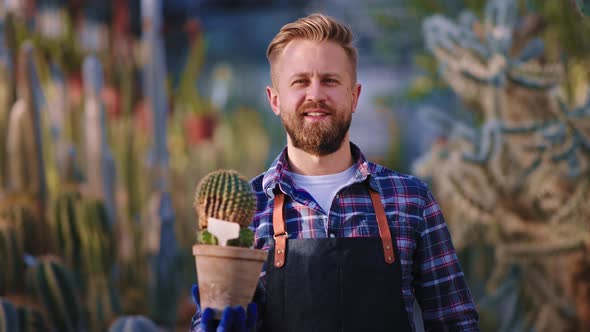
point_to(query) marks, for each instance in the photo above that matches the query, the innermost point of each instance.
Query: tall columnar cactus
(96, 237)
(31, 320)
(100, 169)
(53, 285)
(8, 317)
(65, 227)
(6, 92)
(82, 227)
(133, 324)
(22, 165)
(225, 195)
(11, 260)
(164, 286)
(101, 303)
(26, 166)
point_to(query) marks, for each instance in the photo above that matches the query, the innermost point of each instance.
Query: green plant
(225, 195)
(11, 259)
(64, 227)
(101, 302)
(8, 317)
(20, 211)
(31, 320)
(53, 285)
(96, 237)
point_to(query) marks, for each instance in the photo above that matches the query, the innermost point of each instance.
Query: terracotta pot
(199, 128)
(227, 276)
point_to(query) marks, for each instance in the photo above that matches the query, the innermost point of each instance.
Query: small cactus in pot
(227, 268)
(225, 195)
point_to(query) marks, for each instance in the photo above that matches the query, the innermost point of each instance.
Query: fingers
(227, 320)
(207, 320)
(240, 319)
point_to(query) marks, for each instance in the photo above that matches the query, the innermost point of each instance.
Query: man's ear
(356, 93)
(273, 100)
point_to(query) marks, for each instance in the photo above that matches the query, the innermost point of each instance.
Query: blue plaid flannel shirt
(431, 272)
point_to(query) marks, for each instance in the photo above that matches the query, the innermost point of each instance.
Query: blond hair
(317, 27)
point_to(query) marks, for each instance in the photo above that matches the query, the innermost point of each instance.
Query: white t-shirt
(323, 188)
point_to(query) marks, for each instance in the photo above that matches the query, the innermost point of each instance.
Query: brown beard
(320, 138)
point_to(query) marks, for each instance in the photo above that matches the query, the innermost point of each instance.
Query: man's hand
(233, 319)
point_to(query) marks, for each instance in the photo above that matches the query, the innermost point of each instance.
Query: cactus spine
(133, 324)
(225, 195)
(53, 285)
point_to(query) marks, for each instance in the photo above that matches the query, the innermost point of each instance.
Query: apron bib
(335, 284)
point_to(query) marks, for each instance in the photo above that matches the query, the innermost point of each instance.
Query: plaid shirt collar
(276, 174)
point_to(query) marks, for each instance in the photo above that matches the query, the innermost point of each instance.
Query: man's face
(314, 94)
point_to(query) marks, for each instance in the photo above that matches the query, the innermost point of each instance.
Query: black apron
(335, 284)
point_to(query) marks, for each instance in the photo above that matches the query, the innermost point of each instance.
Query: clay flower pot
(199, 128)
(227, 276)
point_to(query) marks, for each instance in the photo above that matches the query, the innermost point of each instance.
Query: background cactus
(96, 236)
(65, 228)
(31, 320)
(11, 259)
(22, 166)
(8, 317)
(133, 324)
(53, 285)
(225, 195)
(101, 303)
(20, 211)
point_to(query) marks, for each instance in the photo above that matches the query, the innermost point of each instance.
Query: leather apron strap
(280, 235)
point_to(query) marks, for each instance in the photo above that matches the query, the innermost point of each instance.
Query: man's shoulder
(257, 182)
(384, 174)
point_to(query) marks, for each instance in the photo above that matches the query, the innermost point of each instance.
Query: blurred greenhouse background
(111, 112)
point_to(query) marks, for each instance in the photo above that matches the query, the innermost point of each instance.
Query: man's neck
(304, 163)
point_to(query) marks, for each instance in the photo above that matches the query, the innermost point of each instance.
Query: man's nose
(315, 91)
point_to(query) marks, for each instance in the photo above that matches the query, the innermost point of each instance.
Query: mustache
(314, 105)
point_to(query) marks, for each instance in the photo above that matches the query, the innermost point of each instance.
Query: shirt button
(332, 235)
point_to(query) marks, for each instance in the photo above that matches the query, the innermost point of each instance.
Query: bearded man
(351, 243)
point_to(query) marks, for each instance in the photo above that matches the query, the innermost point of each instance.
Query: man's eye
(330, 80)
(301, 81)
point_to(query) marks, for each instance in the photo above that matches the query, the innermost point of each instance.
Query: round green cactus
(225, 195)
(133, 324)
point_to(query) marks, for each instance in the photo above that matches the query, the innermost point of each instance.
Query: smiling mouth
(315, 113)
